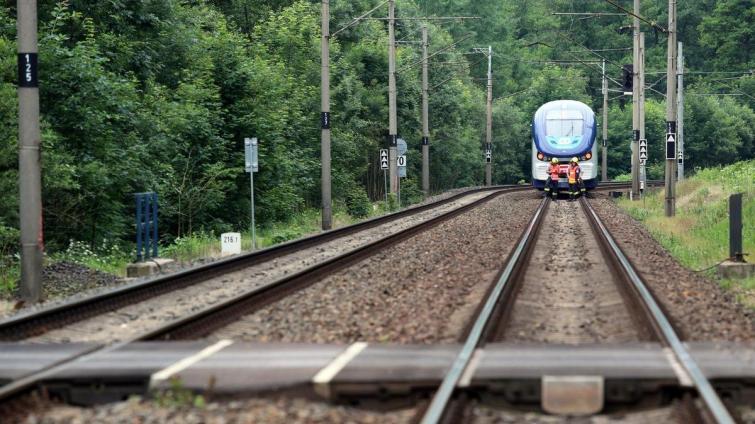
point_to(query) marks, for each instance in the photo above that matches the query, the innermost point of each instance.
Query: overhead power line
(356, 20)
(444, 49)
(642, 18)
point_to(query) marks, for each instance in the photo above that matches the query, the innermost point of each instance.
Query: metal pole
(398, 191)
(736, 253)
(327, 205)
(643, 169)
(489, 126)
(670, 201)
(604, 166)
(425, 116)
(254, 235)
(29, 172)
(392, 119)
(636, 102)
(385, 186)
(680, 114)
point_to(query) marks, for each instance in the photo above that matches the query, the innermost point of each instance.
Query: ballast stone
(147, 268)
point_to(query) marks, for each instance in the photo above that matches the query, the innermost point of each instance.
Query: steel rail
(25, 325)
(203, 322)
(712, 401)
(207, 319)
(34, 323)
(199, 320)
(497, 304)
(437, 408)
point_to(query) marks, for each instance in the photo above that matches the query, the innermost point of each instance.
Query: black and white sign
(488, 156)
(27, 70)
(384, 159)
(401, 160)
(643, 152)
(680, 158)
(670, 146)
(251, 155)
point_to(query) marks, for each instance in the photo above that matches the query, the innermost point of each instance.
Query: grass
(9, 275)
(698, 236)
(202, 245)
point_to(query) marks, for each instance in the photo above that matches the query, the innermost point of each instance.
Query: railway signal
(670, 146)
(626, 79)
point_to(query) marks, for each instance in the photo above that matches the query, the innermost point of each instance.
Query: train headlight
(540, 156)
(588, 156)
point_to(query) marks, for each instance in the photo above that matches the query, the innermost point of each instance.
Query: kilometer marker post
(29, 172)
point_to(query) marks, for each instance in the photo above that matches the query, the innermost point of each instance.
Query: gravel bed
(568, 293)
(78, 280)
(698, 307)
(280, 410)
(423, 290)
(63, 280)
(136, 319)
(486, 415)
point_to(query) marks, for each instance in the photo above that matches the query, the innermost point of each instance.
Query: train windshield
(564, 123)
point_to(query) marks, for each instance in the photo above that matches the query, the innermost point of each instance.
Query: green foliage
(159, 95)
(107, 256)
(9, 271)
(698, 236)
(178, 396)
(357, 203)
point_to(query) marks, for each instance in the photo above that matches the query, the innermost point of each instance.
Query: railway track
(497, 313)
(199, 323)
(26, 325)
(203, 322)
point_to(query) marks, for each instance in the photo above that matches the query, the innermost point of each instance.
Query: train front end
(564, 129)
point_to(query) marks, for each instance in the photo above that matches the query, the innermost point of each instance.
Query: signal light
(627, 78)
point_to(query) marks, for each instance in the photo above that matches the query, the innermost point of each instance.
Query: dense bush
(357, 203)
(159, 96)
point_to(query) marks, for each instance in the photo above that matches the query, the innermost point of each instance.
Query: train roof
(564, 128)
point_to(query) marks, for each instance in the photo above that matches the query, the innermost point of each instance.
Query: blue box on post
(146, 226)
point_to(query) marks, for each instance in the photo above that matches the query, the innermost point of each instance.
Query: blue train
(564, 129)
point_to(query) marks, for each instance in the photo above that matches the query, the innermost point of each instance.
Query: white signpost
(401, 149)
(251, 165)
(230, 244)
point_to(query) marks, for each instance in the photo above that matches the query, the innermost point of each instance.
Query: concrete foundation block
(147, 268)
(736, 270)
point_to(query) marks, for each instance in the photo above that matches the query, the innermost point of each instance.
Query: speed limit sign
(401, 160)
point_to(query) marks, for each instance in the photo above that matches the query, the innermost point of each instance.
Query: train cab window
(564, 123)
